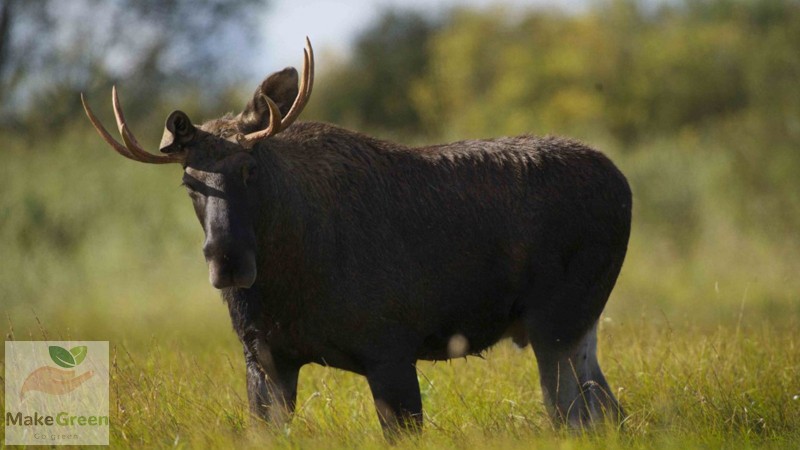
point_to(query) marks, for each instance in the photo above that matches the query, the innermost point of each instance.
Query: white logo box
(56, 393)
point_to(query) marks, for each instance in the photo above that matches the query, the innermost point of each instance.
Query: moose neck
(285, 224)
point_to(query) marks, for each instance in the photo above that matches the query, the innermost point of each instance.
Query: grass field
(682, 385)
(700, 337)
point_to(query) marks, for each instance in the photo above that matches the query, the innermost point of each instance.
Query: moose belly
(455, 342)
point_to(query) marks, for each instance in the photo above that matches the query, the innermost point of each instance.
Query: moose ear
(178, 131)
(281, 88)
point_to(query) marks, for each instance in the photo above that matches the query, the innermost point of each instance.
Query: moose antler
(276, 123)
(131, 149)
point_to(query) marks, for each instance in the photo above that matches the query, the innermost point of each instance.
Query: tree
(372, 91)
(49, 49)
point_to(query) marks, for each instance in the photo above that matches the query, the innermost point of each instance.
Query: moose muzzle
(229, 267)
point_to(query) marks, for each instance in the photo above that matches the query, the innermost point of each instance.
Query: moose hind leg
(562, 327)
(575, 390)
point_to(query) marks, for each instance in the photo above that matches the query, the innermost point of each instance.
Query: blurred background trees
(167, 50)
(372, 89)
(620, 69)
(696, 100)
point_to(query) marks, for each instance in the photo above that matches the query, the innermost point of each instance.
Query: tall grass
(681, 387)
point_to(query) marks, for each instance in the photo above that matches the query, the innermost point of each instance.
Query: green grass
(683, 386)
(700, 336)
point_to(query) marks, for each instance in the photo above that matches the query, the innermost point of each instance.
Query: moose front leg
(271, 377)
(271, 385)
(395, 390)
(256, 390)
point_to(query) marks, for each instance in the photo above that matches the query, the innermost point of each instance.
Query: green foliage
(49, 50)
(615, 69)
(371, 89)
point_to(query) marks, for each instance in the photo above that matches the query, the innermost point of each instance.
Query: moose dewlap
(336, 248)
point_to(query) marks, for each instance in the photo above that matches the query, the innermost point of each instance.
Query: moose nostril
(210, 250)
(230, 269)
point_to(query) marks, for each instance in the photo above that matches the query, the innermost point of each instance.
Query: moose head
(219, 170)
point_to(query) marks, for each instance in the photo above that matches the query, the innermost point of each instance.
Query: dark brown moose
(335, 248)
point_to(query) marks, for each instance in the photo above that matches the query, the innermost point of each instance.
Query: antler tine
(276, 122)
(130, 141)
(131, 149)
(249, 140)
(144, 156)
(306, 84)
(101, 130)
(121, 123)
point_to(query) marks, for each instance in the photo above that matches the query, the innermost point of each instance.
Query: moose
(336, 248)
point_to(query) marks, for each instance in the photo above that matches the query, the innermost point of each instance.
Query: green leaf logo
(68, 359)
(79, 353)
